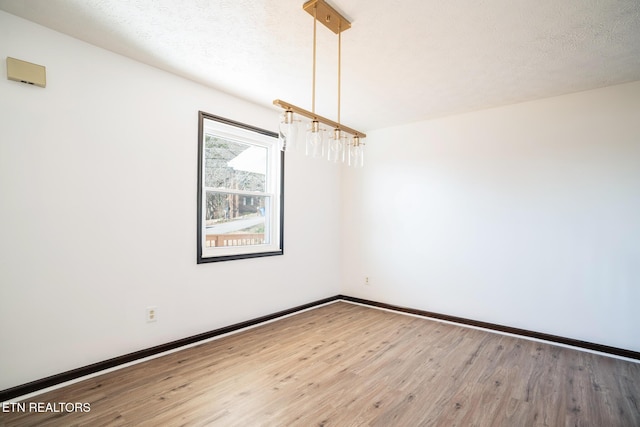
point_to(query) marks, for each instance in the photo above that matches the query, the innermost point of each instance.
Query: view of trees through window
(235, 186)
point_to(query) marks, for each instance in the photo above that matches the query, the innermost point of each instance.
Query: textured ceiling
(402, 60)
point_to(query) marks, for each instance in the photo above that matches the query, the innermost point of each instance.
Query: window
(240, 191)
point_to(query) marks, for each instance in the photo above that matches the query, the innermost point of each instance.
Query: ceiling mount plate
(327, 15)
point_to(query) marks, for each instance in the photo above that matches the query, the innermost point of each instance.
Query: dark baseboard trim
(40, 384)
(501, 328)
(53, 380)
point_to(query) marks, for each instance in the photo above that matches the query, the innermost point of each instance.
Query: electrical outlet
(152, 314)
(367, 281)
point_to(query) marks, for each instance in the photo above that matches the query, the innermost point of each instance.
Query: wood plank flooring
(347, 365)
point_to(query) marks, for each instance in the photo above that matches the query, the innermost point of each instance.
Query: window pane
(234, 165)
(237, 219)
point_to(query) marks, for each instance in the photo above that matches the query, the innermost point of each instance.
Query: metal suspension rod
(339, 62)
(313, 94)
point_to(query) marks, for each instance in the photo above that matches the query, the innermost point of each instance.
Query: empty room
(329, 213)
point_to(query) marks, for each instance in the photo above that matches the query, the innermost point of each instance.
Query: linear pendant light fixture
(345, 144)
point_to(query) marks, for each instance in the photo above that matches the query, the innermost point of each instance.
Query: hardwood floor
(347, 365)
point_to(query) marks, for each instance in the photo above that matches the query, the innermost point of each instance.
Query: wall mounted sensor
(26, 72)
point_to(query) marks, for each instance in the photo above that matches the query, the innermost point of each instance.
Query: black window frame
(202, 116)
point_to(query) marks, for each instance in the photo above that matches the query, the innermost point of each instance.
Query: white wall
(98, 219)
(526, 216)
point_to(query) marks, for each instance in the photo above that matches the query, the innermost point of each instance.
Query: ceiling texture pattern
(402, 60)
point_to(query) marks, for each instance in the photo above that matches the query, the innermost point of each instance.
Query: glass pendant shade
(288, 131)
(315, 139)
(326, 147)
(356, 153)
(360, 157)
(336, 146)
(345, 143)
